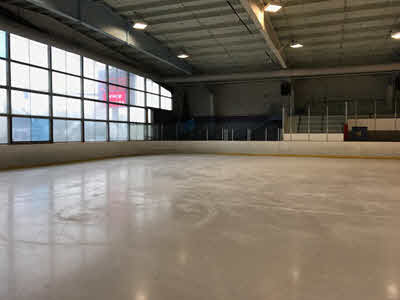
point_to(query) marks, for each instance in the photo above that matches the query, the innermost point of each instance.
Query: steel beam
(255, 9)
(293, 73)
(98, 17)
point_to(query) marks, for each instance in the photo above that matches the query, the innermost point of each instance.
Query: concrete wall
(380, 125)
(249, 99)
(17, 156)
(264, 97)
(314, 137)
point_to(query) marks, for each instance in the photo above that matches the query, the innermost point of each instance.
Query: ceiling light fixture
(273, 6)
(183, 56)
(295, 45)
(396, 35)
(140, 25)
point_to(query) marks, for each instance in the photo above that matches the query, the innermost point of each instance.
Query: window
(3, 101)
(118, 132)
(66, 107)
(118, 112)
(95, 90)
(165, 93)
(30, 130)
(152, 87)
(66, 85)
(118, 94)
(66, 131)
(26, 103)
(153, 101)
(3, 72)
(27, 51)
(138, 132)
(65, 61)
(3, 130)
(94, 69)
(95, 110)
(29, 78)
(137, 115)
(95, 131)
(149, 116)
(136, 82)
(136, 98)
(117, 76)
(48, 94)
(166, 103)
(3, 44)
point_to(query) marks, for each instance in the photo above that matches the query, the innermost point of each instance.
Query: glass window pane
(25, 103)
(19, 48)
(136, 98)
(30, 130)
(3, 101)
(149, 116)
(66, 107)
(118, 112)
(3, 130)
(3, 44)
(21, 129)
(38, 53)
(94, 69)
(28, 51)
(118, 94)
(137, 115)
(40, 130)
(153, 101)
(165, 93)
(29, 78)
(136, 82)
(66, 84)
(66, 131)
(95, 90)
(117, 76)
(95, 131)
(3, 72)
(138, 132)
(166, 103)
(118, 132)
(95, 110)
(152, 87)
(65, 61)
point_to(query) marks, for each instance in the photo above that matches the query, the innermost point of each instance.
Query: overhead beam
(150, 5)
(331, 11)
(192, 29)
(255, 9)
(195, 15)
(339, 22)
(288, 73)
(324, 32)
(183, 9)
(208, 37)
(98, 17)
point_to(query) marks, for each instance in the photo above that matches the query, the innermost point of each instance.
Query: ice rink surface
(206, 227)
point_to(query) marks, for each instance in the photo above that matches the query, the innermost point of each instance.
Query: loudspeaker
(286, 89)
(397, 83)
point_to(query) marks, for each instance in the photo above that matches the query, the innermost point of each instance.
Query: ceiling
(221, 38)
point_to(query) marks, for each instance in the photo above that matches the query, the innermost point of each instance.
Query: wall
(248, 99)
(200, 101)
(263, 97)
(364, 89)
(19, 156)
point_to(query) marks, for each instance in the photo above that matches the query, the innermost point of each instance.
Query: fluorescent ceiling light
(140, 25)
(183, 55)
(296, 45)
(273, 6)
(396, 35)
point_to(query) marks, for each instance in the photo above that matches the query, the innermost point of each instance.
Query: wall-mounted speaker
(286, 88)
